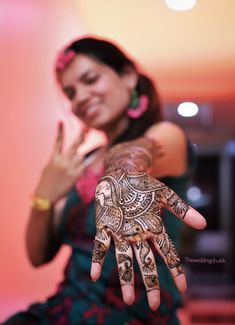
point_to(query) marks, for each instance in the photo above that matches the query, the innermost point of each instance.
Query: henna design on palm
(102, 235)
(178, 206)
(98, 251)
(128, 209)
(146, 260)
(167, 250)
(125, 270)
(125, 262)
(151, 282)
(147, 265)
(122, 246)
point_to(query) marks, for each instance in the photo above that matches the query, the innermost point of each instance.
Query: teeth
(91, 109)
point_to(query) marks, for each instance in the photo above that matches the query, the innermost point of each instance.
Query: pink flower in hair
(63, 59)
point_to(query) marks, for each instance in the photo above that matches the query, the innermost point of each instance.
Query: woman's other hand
(62, 170)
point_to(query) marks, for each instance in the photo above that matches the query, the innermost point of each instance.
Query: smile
(90, 111)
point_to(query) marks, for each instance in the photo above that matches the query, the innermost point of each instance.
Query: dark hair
(111, 55)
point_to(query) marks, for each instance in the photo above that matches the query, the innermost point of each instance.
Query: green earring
(138, 105)
(134, 99)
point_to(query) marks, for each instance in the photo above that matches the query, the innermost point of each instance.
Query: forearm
(133, 156)
(41, 240)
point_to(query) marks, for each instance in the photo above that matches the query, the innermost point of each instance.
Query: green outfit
(79, 301)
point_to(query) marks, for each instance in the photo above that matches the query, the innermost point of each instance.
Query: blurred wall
(31, 32)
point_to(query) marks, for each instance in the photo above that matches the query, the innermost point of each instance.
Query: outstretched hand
(128, 210)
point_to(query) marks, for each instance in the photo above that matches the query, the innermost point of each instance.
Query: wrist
(46, 192)
(130, 157)
(41, 203)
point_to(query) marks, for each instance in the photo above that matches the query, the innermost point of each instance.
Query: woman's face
(99, 96)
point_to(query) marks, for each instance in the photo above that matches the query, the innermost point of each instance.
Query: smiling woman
(104, 86)
(92, 89)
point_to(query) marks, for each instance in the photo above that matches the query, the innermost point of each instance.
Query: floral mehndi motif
(128, 209)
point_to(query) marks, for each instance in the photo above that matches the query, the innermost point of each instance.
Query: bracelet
(41, 204)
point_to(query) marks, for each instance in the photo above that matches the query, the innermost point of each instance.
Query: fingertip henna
(152, 282)
(125, 269)
(98, 251)
(176, 204)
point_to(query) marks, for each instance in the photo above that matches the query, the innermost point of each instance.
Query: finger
(77, 171)
(101, 246)
(59, 138)
(124, 256)
(78, 141)
(194, 219)
(79, 164)
(178, 207)
(145, 259)
(167, 251)
(77, 161)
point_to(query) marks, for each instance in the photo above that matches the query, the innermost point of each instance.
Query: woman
(108, 93)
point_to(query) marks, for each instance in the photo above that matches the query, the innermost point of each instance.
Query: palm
(128, 209)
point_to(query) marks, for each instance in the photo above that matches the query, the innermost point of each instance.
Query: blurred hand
(128, 209)
(62, 170)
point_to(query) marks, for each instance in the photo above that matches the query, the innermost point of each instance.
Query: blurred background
(191, 56)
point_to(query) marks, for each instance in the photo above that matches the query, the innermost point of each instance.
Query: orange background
(31, 32)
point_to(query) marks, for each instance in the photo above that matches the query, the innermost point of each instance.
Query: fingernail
(95, 272)
(154, 299)
(128, 294)
(181, 282)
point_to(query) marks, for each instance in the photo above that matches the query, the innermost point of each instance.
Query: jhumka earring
(138, 105)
